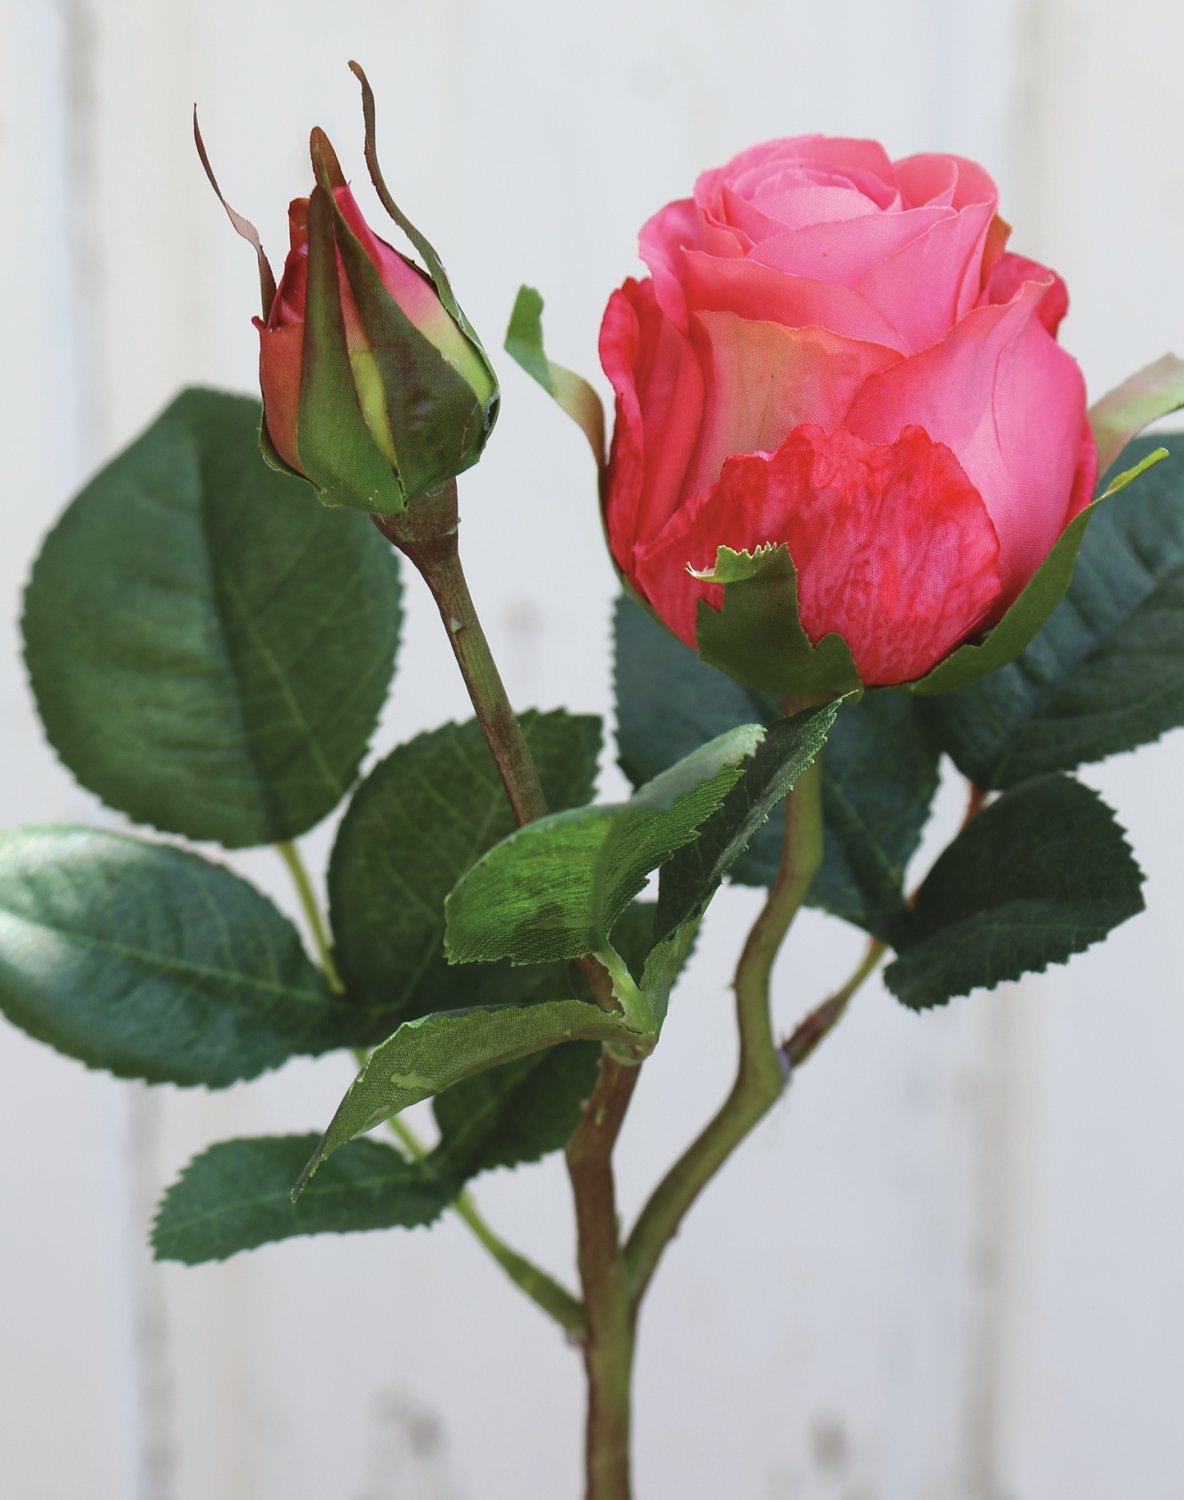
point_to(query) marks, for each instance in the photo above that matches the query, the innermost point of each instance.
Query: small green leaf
(1123, 413)
(524, 344)
(238, 1195)
(431, 1054)
(879, 774)
(150, 962)
(694, 873)
(1041, 874)
(389, 874)
(757, 637)
(513, 1114)
(554, 889)
(1027, 615)
(1107, 671)
(208, 648)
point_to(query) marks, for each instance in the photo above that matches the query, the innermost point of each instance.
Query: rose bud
(375, 387)
(834, 355)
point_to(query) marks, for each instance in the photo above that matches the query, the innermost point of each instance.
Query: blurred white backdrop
(950, 1267)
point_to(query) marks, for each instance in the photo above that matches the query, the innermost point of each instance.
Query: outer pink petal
(659, 407)
(893, 547)
(1009, 274)
(662, 241)
(280, 354)
(763, 380)
(1010, 403)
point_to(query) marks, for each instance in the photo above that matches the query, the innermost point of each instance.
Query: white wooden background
(951, 1267)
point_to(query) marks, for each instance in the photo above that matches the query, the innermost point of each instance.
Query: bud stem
(426, 534)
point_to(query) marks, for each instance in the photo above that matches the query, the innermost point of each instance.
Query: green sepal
(1106, 673)
(435, 266)
(1041, 595)
(555, 889)
(337, 450)
(436, 421)
(1123, 413)
(571, 392)
(757, 636)
(429, 1055)
(1041, 874)
(237, 1195)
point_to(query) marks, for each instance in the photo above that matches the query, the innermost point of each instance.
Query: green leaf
(757, 637)
(693, 874)
(513, 1114)
(524, 344)
(238, 1195)
(1107, 671)
(389, 872)
(1041, 874)
(1040, 597)
(554, 889)
(209, 649)
(431, 1054)
(150, 962)
(879, 774)
(1142, 399)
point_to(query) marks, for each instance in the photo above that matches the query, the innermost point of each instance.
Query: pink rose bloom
(834, 351)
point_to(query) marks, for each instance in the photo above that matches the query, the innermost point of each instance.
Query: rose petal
(893, 546)
(1002, 394)
(1009, 274)
(759, 292)
(280, 353)
(763, 380)
(839, 252)
(660, 396)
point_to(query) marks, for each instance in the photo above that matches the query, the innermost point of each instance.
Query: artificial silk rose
(835, 352)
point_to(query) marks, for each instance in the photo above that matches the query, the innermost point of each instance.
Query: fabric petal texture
(893, 547)
(838, 353)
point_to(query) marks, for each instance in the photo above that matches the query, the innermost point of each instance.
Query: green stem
(312, 914)
(542, 1289)
(814, 1028)
(609, 1339)
(761, 1074)
(426, 534)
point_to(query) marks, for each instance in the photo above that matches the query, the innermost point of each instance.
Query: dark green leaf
(554, 889)
(150, 962)
(417, 823)
(757, 637)
(431, 1054)
(209, 648)
(513, 1114)
(238, 1195)
(879, 773)
(1107, 671)
(1041, 874)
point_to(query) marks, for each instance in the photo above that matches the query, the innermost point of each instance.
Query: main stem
(761, 1074)
(609, 1313)
(427, 536)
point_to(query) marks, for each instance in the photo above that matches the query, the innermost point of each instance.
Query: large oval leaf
(210, 648)
(151, 962)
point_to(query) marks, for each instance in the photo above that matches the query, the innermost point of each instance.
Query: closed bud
(375, 387)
